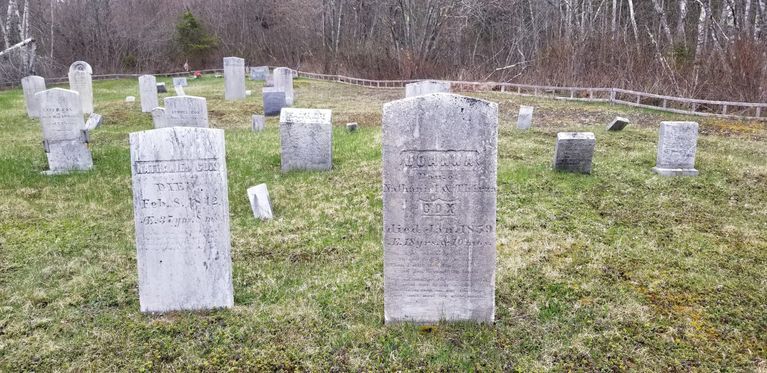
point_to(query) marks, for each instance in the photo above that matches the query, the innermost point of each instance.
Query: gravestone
(574, 152)
(161, 88)
(259, 73)
(147, 87)
(31, 85)
(94, 120)
(234, 78)
(351, 127)
(525, 119)
(269, 81)
(618, 124)
(179, 90)
(248, 93)
(283, 80)
(258, 123)
(426, 87)
(274, 101)
(306, 139)
(158, 118)
(439, 200)
(259, 202)
(676, 149)
(181, 210)
(130, 99)
(81, 81)
(180, 82)
(186, 111)
(64, 136)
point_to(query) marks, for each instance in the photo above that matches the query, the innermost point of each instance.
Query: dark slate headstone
(574, 152)
(439, 198)
(274, 101)
(161, 88)
(618, 124)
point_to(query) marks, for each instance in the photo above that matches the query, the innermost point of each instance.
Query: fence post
(758, 111)
(572, 93)
(612, 95)
(724, 109)
(591, 94)
(665, 103)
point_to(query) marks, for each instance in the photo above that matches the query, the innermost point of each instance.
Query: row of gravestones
(439, 201)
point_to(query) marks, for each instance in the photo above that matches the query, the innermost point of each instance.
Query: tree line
(712, 49)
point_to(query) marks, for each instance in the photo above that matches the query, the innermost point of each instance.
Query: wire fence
(679, 105)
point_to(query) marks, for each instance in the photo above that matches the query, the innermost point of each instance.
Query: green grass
(618, 270)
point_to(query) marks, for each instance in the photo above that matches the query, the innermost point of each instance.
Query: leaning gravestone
(525, 118)
(283, 80)
(306, 139)
(158, 118)
(179, 90)
(439, 199)
(81, 81)
(94, 120)
(574, 152)
(31, 85)
(274, 101)
(259, 73)
(259, 202)
(181, 209)
(618, 124)
(186, 111)
(676, 149)
(64, 135)
(180, 82)
(147, 87)
(234, 78)
(426, 87)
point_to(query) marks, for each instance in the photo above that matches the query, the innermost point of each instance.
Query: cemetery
(320, 226)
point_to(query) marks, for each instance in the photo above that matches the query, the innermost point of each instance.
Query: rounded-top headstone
(81, 66)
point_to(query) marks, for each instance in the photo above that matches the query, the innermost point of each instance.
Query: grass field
(613, 271)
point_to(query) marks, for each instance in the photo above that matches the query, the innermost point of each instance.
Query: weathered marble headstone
(618, 124)
(94, 120)
(525, 119)
(259, 202)
(306, 139)
(181, 210)
(574, 152)
(158, 118)
(426, 87)
(130, 99)
(31, 85)
(81, 81)
(180, 82)
(351, 127)
(259, 72)
(676, 149)
(283, 80)
(274, 101)
(248, 93)
(161, 88)
(258, 123)
(147, 86)
(179, 90)
(234, 78)
(439, 199)
(186, 111)
(64, 135)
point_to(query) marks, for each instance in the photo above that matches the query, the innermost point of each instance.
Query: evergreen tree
(193, 40)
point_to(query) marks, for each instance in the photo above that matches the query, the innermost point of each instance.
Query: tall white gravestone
(234, 78)
(306, 139)
(283, 80)
(81, 81)
(181, 209)
(676, 149)
(64, 136)
(439, 201)
(186, 111)
(426, 87)
(31, 85)
(147, 89)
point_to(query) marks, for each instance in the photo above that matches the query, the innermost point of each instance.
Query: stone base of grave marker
(675, 171)
(574, 152)
(67, 156)
(618, 124)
